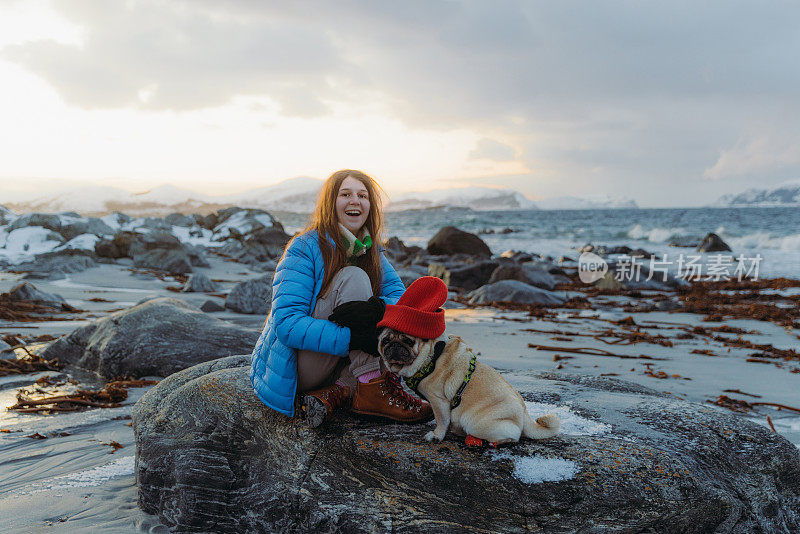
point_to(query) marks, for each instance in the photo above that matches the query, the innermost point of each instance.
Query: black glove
(364, 339)
(359, 314)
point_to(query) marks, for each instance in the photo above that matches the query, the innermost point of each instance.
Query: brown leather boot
(320, 404)
(384, 397)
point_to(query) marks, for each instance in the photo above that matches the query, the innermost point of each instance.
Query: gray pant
(316, 369)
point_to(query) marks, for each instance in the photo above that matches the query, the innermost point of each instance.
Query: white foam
(571, 423)
(88, 477)
(97, 475)
(537, 468)
(655, 235)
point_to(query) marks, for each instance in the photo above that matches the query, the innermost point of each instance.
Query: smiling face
(352, 204)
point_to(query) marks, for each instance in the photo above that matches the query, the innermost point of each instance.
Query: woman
(333, 262)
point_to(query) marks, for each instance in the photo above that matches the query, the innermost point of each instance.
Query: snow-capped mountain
(785, 194)
(476, 198)
(298, 195)
(589, 203)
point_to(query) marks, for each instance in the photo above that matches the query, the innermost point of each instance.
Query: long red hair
(325, 221)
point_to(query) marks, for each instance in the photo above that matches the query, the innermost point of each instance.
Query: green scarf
(355, 247)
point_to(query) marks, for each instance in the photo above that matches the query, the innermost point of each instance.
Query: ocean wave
(764, 240)
(655, 235)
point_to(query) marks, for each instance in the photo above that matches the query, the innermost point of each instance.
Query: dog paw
(431, 436)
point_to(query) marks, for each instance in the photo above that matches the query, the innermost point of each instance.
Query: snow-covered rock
(24, 243)
(240, 223)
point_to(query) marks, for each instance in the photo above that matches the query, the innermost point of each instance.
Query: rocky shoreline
(179, 297)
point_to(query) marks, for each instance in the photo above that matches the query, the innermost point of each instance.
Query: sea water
(772, 233)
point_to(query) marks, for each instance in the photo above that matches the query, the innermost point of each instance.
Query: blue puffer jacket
(295, 287)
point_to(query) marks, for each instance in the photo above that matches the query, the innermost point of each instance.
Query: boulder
(267, 243)
(407, 276)
(117, 247)
(198, 283)
(72, 227)
(7, 216)
(210, 457)
(179, 219)
(45, 220)
(535, 274)
(252, 296)
(684, 241)
(515, 292)
(172, 261)
(211, 306)
(517, 255)
(160, 250)
(713, 243)
(54, 265)
(27, 292)
(450, 240)
(197, 256)
(396, 249)
(157, 337)
(466, 277)
(238, 223)
(633, 275)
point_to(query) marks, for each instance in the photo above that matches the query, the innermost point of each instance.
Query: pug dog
(490, 408)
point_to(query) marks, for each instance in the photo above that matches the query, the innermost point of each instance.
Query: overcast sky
(668, 103)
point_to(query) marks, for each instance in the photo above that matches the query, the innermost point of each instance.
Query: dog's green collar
(413, 381)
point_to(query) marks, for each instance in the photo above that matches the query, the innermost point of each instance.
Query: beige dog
(468, 397)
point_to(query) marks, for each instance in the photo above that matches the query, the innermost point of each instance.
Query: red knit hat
(419, 311)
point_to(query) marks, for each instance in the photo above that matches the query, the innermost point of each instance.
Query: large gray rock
(71, 228)
(464, 277)
(450, 240)
(532, 273)
(252, 296)
(7, 216)
(239, 223)
(198, 283)
(158, 337)
(117, 247)
(210, 457)
(713, 243)
(54, 265)
(160, 250)
(171, 261)
(68, 225)
(27, 292)
(196, 254)
(179, 219)
(45, 220)
(515, 292)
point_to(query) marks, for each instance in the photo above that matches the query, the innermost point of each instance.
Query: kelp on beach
(110, 396)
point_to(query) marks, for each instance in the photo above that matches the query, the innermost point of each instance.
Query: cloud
(594, 96)
(757, 156)
(493, 150)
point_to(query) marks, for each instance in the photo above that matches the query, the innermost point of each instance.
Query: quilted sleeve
(392, 287)
(292, 291)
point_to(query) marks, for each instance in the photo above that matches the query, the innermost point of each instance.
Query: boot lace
(397, 391)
